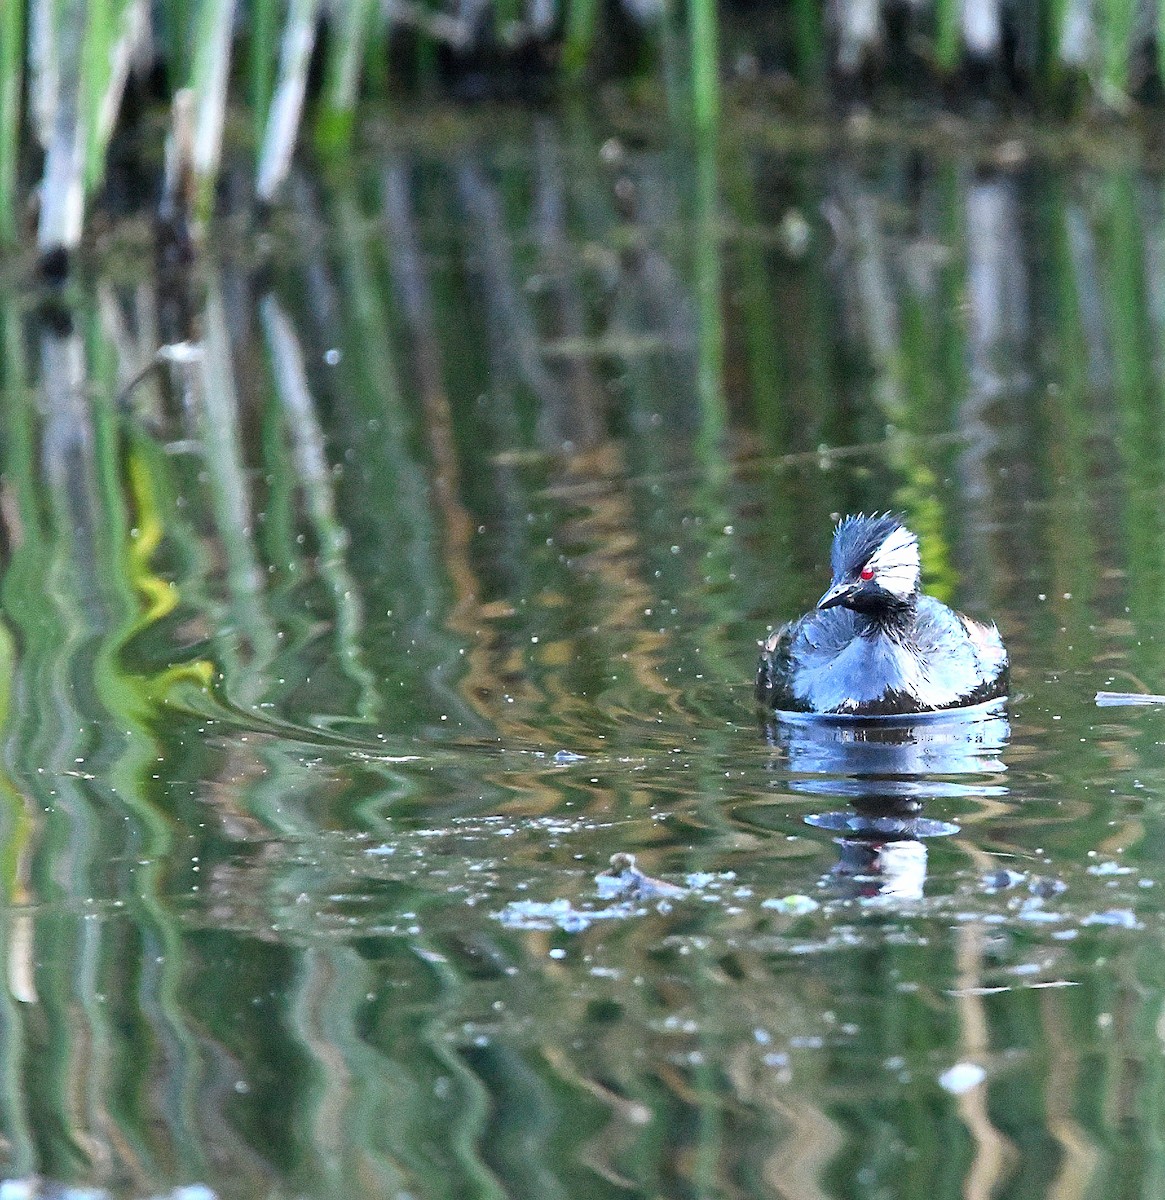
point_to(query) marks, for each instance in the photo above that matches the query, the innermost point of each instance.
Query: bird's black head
(875, 565)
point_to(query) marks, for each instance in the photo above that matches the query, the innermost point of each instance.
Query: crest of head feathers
(882, 542)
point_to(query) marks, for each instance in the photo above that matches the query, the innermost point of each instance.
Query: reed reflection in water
(343, 653)
(888, 768)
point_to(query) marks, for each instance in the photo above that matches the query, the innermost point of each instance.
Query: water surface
(340, 655)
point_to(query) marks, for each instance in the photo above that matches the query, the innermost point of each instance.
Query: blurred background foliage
(251, 77)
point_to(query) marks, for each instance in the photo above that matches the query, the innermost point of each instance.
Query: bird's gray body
(874, 645)
(844, 662)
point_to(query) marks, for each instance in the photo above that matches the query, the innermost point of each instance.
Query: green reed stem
(95, 56)
(11, 86)
(709, 310)
(299, 34)
(58, 73)
(209, 78)
(264, 49)
(350, 28)
(582, 19)
(704, 34)
(90, 48)
(1117, 20)
(374, 72)
(809, 38)
(1161, 39)
(177, 28)
(946, 34)
(505, 13)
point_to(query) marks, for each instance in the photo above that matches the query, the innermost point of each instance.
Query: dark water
(340, 658)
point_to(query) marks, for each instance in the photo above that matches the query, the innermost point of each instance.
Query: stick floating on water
(1113, 699)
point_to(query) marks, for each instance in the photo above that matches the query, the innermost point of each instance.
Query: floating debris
(1109, 868)
(795, 905)
(563, 914)
(1033, 910)
(1119, 918)
(33, 1187)
(1045, 887)
(550, 914)
(624, 878)
(1115, 699)
(999, 881)
(962, 1077)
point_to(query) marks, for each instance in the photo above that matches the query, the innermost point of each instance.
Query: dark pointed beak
(837, 594)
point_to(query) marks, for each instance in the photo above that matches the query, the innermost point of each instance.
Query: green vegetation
(68, 69)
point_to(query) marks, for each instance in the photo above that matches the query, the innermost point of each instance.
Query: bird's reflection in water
(887, 768)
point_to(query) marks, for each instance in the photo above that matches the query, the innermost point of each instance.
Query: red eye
(866, 573)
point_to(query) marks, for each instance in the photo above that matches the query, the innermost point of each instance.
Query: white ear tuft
(896, 563)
